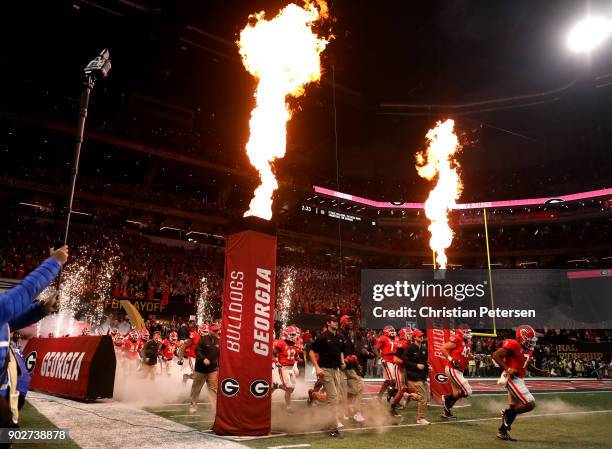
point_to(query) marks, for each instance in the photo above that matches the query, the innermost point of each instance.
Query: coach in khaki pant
(206, 368)
(351, 387)
(329, 346)
(417, 369)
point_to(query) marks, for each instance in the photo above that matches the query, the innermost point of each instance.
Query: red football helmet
(344, 319)
(133, 336)
(464, 332)
(144, 335)
(417, 333)
(113, 332)
(118, 339)
(173, 337)
(203, 330)
(389, 331)
(526, 336)
(405, 334)
(291, 333)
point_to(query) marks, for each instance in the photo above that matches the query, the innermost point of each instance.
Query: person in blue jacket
(19, 308)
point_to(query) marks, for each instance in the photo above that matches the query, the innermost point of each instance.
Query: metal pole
(88, 85)
(494, 334)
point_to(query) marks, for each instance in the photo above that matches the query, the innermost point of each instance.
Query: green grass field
(560, 420)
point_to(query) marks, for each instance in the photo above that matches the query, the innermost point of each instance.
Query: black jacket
(413, 356)
(149, 352)
(207, 348)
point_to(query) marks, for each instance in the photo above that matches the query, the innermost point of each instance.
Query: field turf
(561, 420)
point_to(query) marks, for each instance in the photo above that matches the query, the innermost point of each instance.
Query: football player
(144, 336)
(118, 344)
(458, 350)
(286, 354)
(130, 345)
(187, 349)
(515, 359)
(168, 348)
(386, 349)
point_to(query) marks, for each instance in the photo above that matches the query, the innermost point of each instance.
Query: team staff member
(415, 361)
(206, 368)
(352, 383)
(329, 346)
(150, 353)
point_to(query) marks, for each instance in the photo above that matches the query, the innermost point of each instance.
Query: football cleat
(504, 435)
(505, 425)
(335, 434)
(447, 414)
(393, 412)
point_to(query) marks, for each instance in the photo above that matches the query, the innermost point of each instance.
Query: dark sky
(446, 52)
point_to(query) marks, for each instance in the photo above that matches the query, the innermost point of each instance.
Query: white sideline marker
(396, 426)
(291, 445)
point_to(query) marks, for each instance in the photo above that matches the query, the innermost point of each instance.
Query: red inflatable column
(245, 363)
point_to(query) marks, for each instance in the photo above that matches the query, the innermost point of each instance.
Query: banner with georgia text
(245, 361)
(74, 367)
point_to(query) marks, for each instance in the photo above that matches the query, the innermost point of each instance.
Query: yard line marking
(501, 393)
(158, 410)
(291, 445)
(361, 429)
(372, 397)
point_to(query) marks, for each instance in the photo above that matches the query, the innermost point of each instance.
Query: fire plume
(283, 54)
(438, 160)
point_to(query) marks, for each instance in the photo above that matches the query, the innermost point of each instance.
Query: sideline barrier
(73, 367)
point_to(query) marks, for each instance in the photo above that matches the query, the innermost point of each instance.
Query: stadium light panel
(588, 34)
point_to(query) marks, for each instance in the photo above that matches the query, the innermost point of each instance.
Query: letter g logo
(260, 388)
(30, 362)
(230, 387)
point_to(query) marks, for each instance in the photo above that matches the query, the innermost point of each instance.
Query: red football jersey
(519, 357)
(401, 344)
(461, 352)
(168, 351)
(287, 354)
(195, 337)
(130, 349)
(388, 347)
